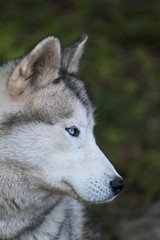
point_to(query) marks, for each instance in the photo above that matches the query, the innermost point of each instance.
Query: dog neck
(30, 211)
(58, 221)
(25, 205)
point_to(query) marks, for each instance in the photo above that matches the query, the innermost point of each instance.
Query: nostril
(117, 184)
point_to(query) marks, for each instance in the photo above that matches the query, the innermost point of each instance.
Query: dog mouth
(70, 190)
(87, 198)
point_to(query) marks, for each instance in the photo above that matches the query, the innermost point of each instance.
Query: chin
(93, 200)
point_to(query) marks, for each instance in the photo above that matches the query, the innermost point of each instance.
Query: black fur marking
(21, 118)
(67, 224)
(59, 230)
(79, 89)
(37, 221)
(57, 80)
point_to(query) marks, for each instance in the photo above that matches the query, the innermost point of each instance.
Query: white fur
(67, 163)
(45, 170)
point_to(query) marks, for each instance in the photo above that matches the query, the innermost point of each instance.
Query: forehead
(65, 91)
(64, 97)
(78, 89)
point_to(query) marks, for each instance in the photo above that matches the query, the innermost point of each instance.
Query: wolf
(50, 165)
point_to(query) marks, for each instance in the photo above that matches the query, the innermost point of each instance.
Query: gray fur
(78, 88)
(72, 54)
(40, 96)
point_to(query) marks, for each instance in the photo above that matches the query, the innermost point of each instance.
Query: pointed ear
(73, 53)
(37, 68)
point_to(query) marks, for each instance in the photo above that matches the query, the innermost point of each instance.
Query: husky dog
(50, 164)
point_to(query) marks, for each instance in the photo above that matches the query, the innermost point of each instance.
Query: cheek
(63, 142)
(43, 144)
(32, 142)
(28, 147)
(75, 143)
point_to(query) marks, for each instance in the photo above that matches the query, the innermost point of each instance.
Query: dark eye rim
(75, 129)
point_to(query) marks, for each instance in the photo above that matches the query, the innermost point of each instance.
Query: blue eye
(73, 131)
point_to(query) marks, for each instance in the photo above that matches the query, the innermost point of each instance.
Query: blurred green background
(121, 64)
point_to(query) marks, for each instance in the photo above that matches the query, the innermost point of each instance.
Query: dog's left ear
(72, 54)
(39, 67)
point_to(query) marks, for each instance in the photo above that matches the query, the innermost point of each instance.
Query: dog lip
(100, 201)
(73, 191)
(74, 194)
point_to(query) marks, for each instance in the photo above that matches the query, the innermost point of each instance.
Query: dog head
(47, 124)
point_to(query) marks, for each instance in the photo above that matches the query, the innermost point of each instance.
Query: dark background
(121, 64)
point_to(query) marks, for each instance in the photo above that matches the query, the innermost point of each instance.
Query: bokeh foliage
(121, 64)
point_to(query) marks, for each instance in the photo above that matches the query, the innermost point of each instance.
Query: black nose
(117, 184)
